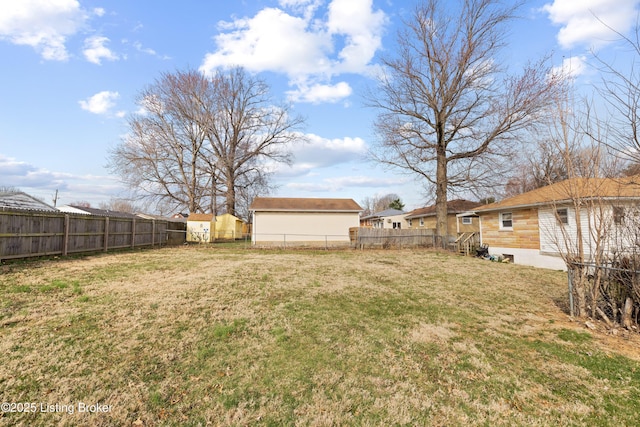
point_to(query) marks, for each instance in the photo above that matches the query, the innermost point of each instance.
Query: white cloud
(21, 175)
(309, 44)
(362, 28)
(320, 93)
(344, 182)
(99, 11)
(44, 25)
(318, 153)
(589, 22)
(571, 67)
(100, 103)
(95, 50)
(43, 183)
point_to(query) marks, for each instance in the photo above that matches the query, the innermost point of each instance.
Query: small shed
(200, 228)
(229, 227)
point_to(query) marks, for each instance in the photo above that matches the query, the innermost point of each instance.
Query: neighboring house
(389, 218)
(537, 227)
(200, 228)
(228, 226)
(17, 200)
(278, 220)
(426, 217)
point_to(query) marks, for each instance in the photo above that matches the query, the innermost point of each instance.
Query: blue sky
(71, 70)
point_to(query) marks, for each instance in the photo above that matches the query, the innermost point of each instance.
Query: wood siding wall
(430, 223)
(525, 233)
(33, 233)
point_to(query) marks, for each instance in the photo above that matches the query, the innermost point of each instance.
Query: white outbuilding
(303, 221)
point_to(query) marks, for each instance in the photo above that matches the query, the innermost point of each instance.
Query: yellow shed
(229, 227)
(200, 228)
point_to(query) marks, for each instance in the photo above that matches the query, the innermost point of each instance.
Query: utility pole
(55, 198)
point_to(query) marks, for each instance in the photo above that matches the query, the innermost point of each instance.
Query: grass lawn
(205, 336)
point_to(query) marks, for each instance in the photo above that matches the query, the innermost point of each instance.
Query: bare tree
(119, 205)
(378, 203)
(448, 109)
(161, 156)
(620, 89)
(202, 138)
(243, 128)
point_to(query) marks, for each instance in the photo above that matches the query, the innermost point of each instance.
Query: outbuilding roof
(22, 201)
(453, 207)
(385, 213)
(200, 217)
(291, 204)
(565, 191)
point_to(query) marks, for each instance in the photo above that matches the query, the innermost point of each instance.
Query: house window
(421, 222)
(562, 215)
(397, 225)
(466, 220)
(410, 224)
(618, 215)
(506, 221)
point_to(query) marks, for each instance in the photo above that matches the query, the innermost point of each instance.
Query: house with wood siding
(426, 217)
(537, 227)
(302, 221)
(388, 218)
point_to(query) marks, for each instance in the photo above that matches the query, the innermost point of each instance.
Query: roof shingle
(453, 206)
(564, 191)
(304, 204)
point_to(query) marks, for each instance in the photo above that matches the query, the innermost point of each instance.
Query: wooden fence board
(385, 237)
(37, 233)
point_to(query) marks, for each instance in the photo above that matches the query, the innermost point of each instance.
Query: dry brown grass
(198, 336)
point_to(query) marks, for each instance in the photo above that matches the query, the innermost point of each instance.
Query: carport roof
(291, 204)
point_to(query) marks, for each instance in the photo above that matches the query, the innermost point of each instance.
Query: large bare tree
(448, 108)
(243, 128)
(199, 138)
(161, 157)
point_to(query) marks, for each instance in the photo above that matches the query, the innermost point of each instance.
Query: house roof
(200, 217)
(290, 204)
(95, 211)
(384, 214)
(564, 191)
(453, 207)
(23, 201)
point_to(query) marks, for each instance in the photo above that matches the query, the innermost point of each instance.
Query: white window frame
(421, 222)
(502, 220)
(467, 220)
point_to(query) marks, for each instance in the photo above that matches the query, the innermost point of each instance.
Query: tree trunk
(230, 201)
(626, 313)
(442, 230)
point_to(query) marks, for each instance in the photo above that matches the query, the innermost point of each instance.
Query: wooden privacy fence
(363, 237)
(39, 233)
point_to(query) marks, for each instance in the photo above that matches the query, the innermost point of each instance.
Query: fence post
(570, 280)
(133, 233)
(65, 236)
(106, 233)
(153, 232)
